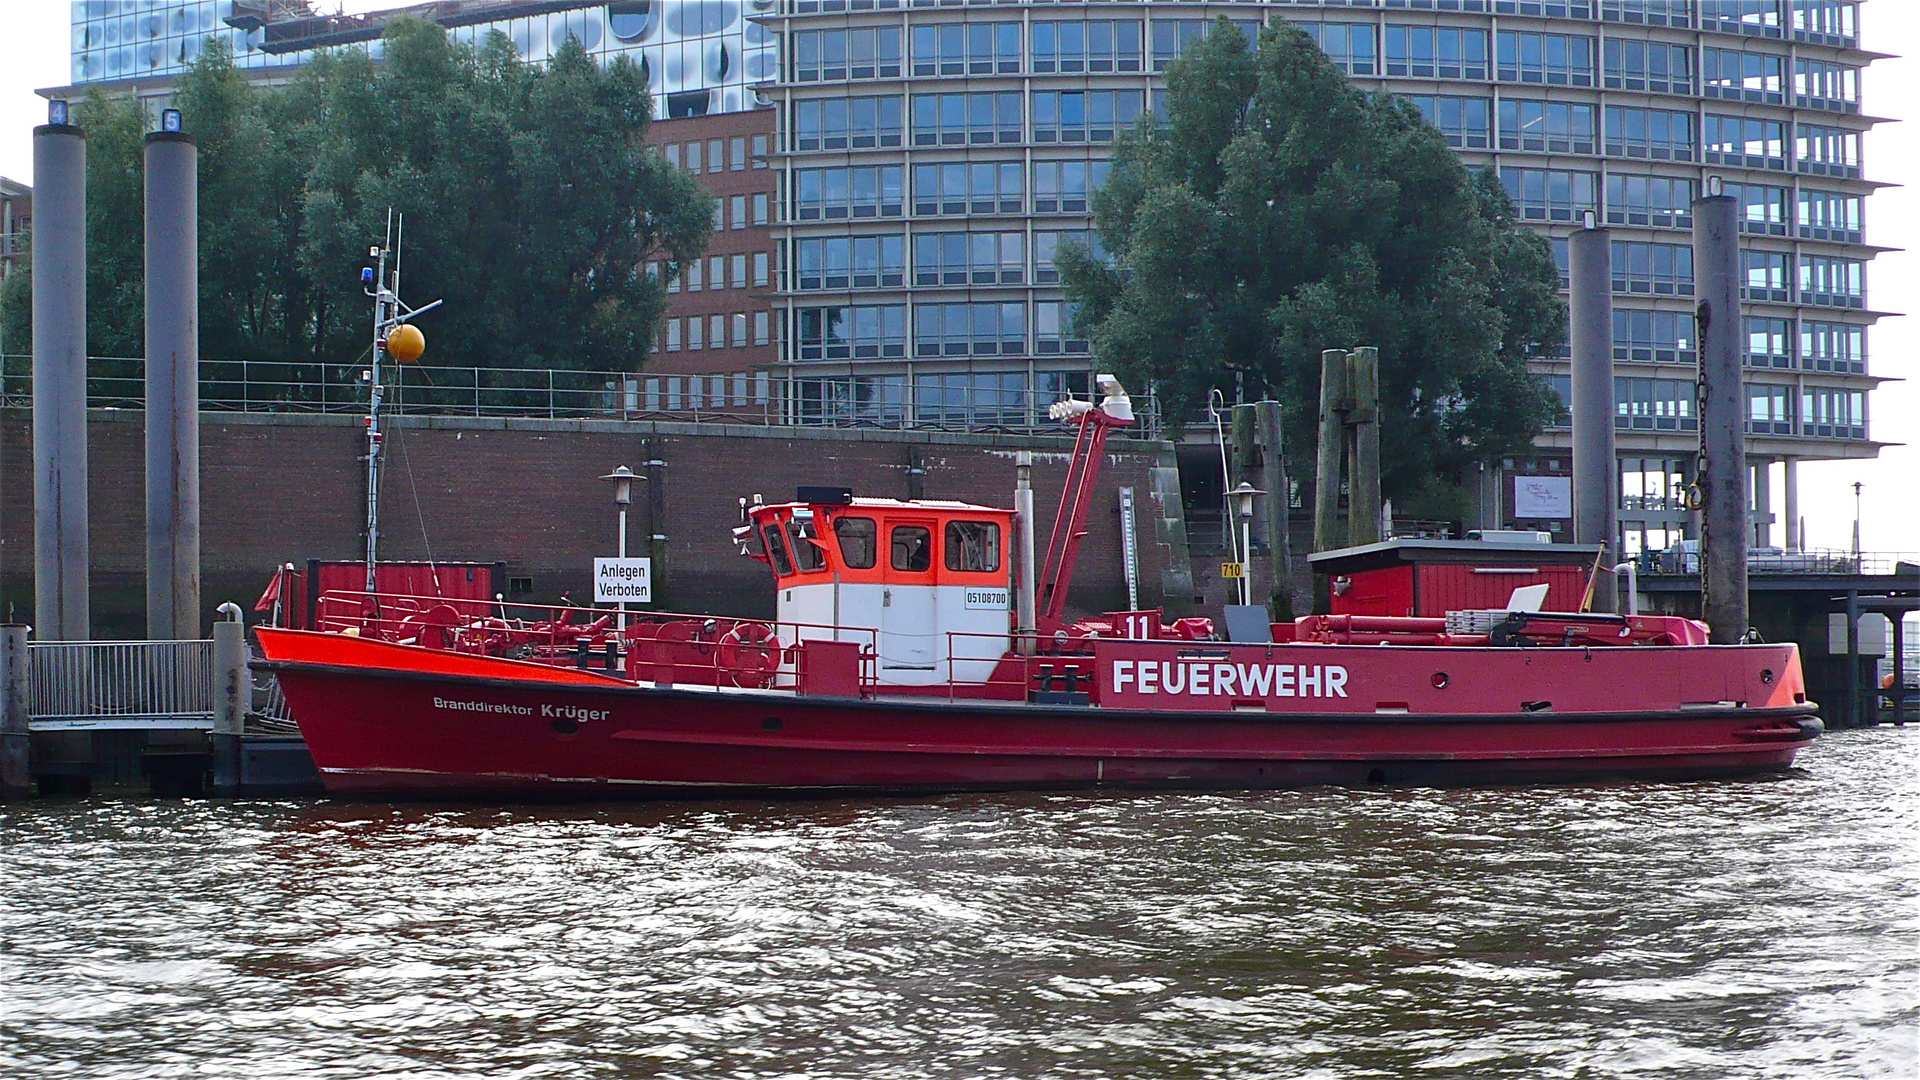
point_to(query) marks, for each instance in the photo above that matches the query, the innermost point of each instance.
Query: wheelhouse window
(776, 550)
(807, 556)
(858, 538)
(912, 548)
(973, 546)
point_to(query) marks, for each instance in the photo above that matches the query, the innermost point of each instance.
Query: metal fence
(100, 684)
(1773, 561)
(761, 398)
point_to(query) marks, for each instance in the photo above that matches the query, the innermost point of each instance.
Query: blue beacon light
(366, 276)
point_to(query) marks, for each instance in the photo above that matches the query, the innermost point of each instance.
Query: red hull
(390, 720)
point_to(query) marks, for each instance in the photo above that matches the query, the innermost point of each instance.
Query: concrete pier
(62, 610)
(1725, 526)
(173, 387)
(1596, 483)
(16, 740)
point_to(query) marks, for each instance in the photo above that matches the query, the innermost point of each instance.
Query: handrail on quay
(752, 397)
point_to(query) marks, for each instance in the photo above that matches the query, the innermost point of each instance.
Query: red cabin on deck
(1433, 577)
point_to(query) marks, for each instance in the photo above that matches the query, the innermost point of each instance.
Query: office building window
(1349, 45)
(1763, 208)
(1096, 45)
(693, 270)
(761, 273)
(1648, 12)
(717, 270)
(1172, 36)
(969, 329)
(1769, 342)
(859, 192)
(673, 335)
(1054, 332)
(1765, 275)
(1769, 409)
(1649, 200)
(737, 272)
(762, 147)
(696, 332)
(1829, 215)
(1551, 59)
(851, 333)
(1657, 269)
(1654, 404)
(1832, 413)
(1066, 187)
(762, 331)
(1463, 121)
(737, 154)
(1083, 116)
(978, 187)
(1827, 22)
(962, 119)
(1822, 84)
(1436, 52)
(1557, 127)
(967, 49)
(1831, 346)
(1827, 151)
(1648, 65)
(983, 258)
(838, 55)
(844, 262)
(1760, 18)
(1550, 194)
(1832, 281)
(738, 211)
(760, 204)
(1655, 337)
(1734, 75)
(847, 123)
(1047, 245)
(716, 155)
(1655, 134)
(1741, 140)
(737, 327)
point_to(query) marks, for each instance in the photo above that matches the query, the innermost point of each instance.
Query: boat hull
(481, 727)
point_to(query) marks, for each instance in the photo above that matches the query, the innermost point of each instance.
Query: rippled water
(1730, 929)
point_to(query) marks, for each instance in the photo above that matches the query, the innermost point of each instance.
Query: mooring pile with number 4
(922, 645)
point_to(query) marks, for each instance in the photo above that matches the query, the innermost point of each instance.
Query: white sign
(1542, 497)
(628, 581)
(978, 599)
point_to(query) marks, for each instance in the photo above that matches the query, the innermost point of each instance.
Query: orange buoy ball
(406, 343)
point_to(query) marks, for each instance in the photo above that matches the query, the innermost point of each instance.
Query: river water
(1758, 928)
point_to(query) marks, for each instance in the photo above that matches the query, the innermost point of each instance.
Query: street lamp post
(1243, 497)
(622, 479)
(1856, 525)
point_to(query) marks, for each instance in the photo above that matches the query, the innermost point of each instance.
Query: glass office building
(930, 157)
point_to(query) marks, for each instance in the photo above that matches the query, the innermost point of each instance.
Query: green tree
(1276, 212)
(531, 206)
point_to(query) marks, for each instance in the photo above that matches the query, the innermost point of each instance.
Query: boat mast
(389, 311)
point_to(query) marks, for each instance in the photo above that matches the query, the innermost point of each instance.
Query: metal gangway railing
(106, 685)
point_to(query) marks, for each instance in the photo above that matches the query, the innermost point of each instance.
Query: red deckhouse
(922, 645)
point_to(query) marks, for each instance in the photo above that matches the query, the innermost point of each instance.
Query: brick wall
(288, 488)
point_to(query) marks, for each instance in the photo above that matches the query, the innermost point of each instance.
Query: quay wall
(281, 488)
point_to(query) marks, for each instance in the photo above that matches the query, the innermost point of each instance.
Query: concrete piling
(62, 610)
(173, 386)
(1722, 481)
(1596, 498)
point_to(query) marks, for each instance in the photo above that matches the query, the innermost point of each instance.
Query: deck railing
(760, 398)
(1809, 562)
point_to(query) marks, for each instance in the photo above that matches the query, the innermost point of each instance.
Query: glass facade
(935, 157)
(700, 56)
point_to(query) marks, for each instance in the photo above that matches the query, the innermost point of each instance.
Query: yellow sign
(1233, 571)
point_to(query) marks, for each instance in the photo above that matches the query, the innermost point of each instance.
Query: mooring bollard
(232, 693)
(16, 739)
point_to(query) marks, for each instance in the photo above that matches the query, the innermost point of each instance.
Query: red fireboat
(909, 655)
